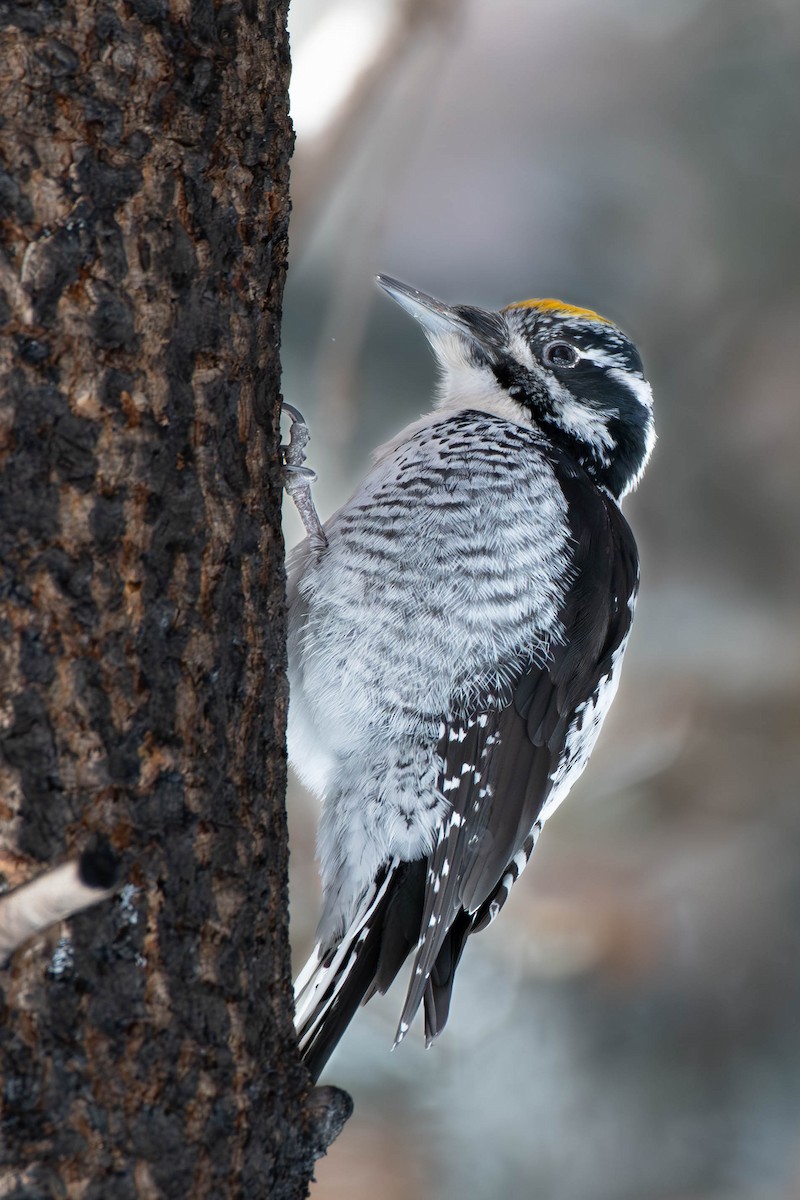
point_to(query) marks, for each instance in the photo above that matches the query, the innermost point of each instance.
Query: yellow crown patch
(558, 308)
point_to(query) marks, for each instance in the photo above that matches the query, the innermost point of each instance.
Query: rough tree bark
(146, 1045)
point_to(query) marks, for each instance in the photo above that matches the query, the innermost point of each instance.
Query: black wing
(499, 765)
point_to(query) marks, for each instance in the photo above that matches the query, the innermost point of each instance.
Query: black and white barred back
(452, 652)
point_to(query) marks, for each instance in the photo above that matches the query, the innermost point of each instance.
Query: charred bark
(146, 1045)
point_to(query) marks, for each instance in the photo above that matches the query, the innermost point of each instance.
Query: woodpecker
(456, 632)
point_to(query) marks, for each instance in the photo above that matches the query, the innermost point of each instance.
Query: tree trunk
(147, 1044)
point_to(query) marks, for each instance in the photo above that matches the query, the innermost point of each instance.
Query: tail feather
(380, 937)
(323, 975)
(392, 920)
(439, 989)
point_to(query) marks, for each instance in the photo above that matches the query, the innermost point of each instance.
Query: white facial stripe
(586, 423)
(633, 482)
(634, 383)
(604, 358)
(520, 350)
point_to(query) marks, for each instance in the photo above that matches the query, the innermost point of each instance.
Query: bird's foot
(297, 478)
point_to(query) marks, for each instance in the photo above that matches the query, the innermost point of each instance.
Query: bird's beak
(486, 330)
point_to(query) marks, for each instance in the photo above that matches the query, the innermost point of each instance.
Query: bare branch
(54, 896)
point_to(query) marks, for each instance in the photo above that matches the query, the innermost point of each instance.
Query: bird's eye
(560, 354)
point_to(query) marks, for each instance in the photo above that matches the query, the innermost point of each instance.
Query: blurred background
(630, 1028)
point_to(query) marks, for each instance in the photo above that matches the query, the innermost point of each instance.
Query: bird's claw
(293, 413)
(297, 478)
(294, 472)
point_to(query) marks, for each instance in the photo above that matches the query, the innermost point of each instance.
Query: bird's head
(567, 370)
